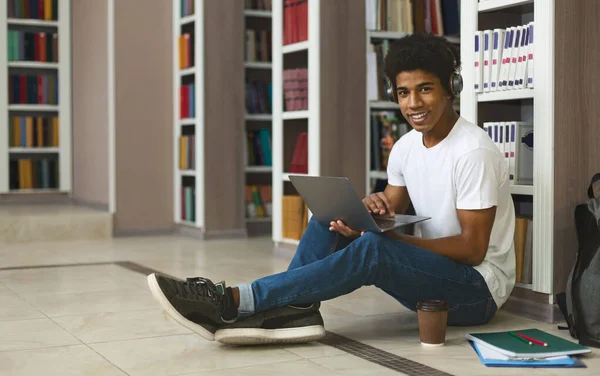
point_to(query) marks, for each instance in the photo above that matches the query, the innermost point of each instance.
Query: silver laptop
(333, 198)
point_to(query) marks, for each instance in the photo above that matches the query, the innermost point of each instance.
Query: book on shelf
(515, 140)
(186, 152)
(258, 4)
(186, 8)
(188, 203)
(299, 164)
(523, 241)
(295, 89)
(294, 217)
(504, 58)
(33, 131)
(258, 201)
(259, 97)
(187, 107)
(32, 46)
(257, 46)
(46, 10)
(295, 21)
(33, 88)
(439, 17)
(258, 148)
(386, 128)
(39, 172)
(186, 51)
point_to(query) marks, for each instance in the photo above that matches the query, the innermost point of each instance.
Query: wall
(576, 116)
(90, 102)
(143, 115)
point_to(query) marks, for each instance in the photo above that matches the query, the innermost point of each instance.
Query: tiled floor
(99, 318)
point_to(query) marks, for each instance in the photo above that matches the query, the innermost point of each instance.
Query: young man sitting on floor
(446, 166)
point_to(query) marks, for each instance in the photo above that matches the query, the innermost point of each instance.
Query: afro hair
(422, 51)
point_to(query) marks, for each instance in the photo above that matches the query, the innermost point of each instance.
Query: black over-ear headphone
(456, 82)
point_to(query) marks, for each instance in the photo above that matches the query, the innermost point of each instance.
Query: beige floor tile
(71, 279)
(314, 350)
(354, 366)
(4, 290)
(66, 304)
(33, 334)
(59, 361)
(298, 368)
(117, 326)
(12, 307)
(182, 354)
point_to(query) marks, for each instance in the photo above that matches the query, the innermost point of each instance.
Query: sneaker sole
(164, 302)
(269, 336)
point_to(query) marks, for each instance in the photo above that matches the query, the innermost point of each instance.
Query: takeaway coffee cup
(433, 318)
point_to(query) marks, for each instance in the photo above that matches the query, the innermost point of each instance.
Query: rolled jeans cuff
(246, 307)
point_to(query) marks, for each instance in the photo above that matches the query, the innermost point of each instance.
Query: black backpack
(580, 303)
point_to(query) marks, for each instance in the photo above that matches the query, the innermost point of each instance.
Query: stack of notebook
(526, 348)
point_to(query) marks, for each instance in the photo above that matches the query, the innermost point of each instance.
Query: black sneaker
(195, 303)
(288, 324)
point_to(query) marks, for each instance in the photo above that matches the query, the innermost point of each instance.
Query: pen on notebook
(520, 338)
(537, 342)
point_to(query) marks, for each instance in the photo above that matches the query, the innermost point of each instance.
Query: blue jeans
(327, 265)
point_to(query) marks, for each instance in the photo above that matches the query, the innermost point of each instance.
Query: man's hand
(341, 228)
(379, 204)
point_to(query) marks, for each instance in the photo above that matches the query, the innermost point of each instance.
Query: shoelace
(198, 286)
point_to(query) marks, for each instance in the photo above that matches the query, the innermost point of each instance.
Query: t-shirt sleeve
(477, 177)
(394, 169)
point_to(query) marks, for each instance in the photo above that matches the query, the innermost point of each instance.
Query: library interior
(132, 225)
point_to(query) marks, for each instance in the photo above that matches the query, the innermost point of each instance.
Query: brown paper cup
(433, 318)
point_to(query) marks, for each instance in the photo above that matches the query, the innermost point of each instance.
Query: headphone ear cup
(456, 83)
(390, 92)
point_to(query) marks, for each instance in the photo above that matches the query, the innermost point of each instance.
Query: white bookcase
(28, 20)
(308, 51)
(189, 125)
(258, 71)
(529, 104)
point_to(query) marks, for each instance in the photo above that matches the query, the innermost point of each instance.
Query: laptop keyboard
(385, 223)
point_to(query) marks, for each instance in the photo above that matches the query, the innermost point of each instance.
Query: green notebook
(508, 345)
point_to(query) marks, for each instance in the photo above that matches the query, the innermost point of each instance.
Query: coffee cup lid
(432, 305)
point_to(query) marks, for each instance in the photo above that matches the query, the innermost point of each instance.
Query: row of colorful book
(186, 8)
(33, 89)
(33, 9)
(33, 131)
(257, 46)
(504, 58)
(258, 200)
(295, 21)
(188, 203)
(187, 152)
(187, 97)
(258, 4)
(295, 89)
(294, 217)
(186, 51)
(39, 172)
(258, 147)
(515, 140)
(259, 98)
(439, 17)
(32, 46)
(386, 128)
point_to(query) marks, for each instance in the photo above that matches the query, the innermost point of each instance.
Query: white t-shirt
(464, 171)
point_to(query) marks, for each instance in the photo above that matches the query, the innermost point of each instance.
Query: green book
(507, 344)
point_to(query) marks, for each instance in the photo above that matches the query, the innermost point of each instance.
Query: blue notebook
(487, 356)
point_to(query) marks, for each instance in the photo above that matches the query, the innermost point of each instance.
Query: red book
(22, 89)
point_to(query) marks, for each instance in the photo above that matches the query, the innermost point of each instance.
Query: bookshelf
(382, 116)
(258, 166)
(35, 152)
(314, 94)
(208, 103)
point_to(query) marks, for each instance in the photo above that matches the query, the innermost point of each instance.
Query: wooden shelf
(521, 190)
(257, 13)
(259, 169)
(31, 22)
(29, 150)
(291, 115)
(33, 107)
(259, 117)
(33, 64)
(186, 20)
(257, 65)
(295, 47)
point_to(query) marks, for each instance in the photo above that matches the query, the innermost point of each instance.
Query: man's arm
(469, 247)
(398, 195)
